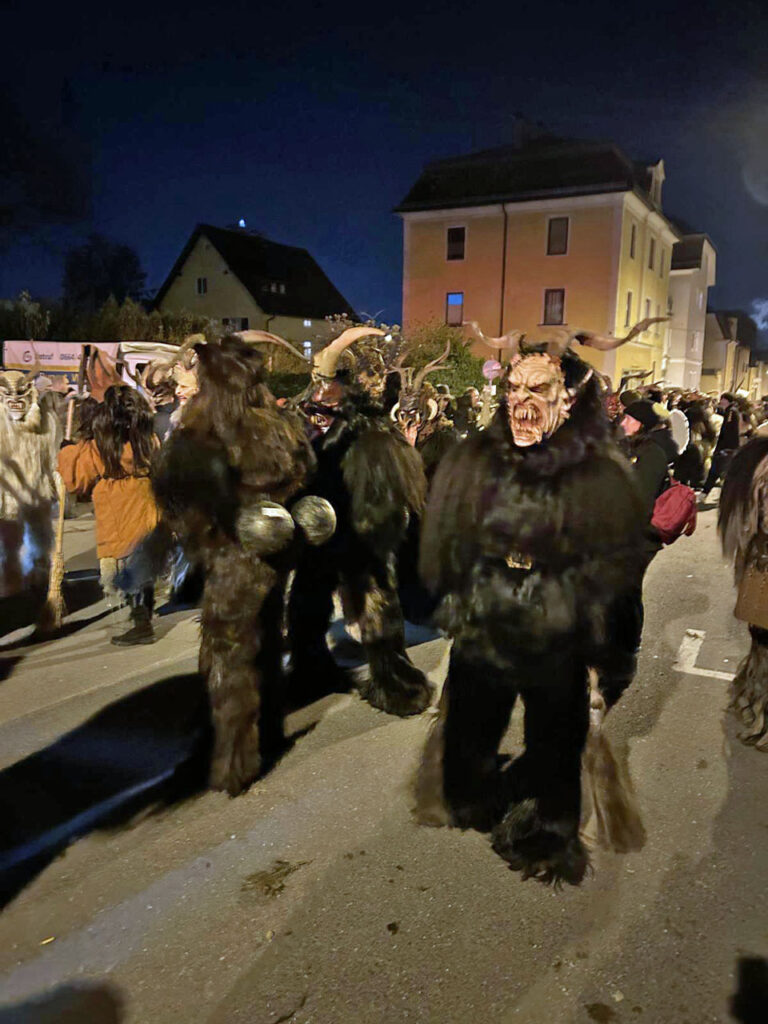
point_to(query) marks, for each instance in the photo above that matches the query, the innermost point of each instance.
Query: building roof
(540, 169)
(746, 328)
(257, 262)
(687, 253)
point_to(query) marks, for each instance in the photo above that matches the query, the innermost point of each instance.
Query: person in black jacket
(727, 442)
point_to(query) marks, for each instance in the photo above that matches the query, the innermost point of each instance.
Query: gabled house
(728, 343)
(249, 282)
(694, 262)
(548, 232)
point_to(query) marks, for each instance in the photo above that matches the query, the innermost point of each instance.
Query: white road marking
(689, 652)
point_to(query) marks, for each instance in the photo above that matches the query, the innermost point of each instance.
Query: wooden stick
(54, 607)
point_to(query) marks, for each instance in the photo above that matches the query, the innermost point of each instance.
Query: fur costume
(30, 435)
(218, 479)
(743, 526)
(375, 481)
(531, 541)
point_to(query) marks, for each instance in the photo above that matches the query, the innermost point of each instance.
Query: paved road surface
(314, 898)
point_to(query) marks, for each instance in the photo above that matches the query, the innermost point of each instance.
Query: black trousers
(720, 462)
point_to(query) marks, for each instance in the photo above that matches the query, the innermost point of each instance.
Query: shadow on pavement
(750, 1003)
(80, 591)
(148, 748)
(68, 1004)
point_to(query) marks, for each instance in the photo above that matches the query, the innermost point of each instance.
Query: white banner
(54, 356)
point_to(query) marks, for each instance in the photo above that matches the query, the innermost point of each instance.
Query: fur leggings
(240, 661)
(750, 691)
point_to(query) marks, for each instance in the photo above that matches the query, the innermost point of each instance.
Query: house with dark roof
(249, 282)
(728, 363)
(546, 232)
(693, 272)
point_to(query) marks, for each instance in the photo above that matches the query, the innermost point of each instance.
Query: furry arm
(385, 479)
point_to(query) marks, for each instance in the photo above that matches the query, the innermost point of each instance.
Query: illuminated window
(557, 236)
(554, 305)
(202, 285)
(652, 254)
(628, 313)
(455, 239)
(307, 348)
(632, 241)
(307, 323)
(454, 308)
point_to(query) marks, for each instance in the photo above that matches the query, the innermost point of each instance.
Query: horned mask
(326, 392)
(19, 396)
(416, 408)
(538, 399)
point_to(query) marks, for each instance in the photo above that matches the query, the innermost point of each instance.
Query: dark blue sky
(311, 121)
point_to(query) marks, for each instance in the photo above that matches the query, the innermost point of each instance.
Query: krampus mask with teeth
(325, 398)
(19, 397)
(540, 389)
(538, 401)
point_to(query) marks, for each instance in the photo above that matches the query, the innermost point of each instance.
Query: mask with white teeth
(538, 401)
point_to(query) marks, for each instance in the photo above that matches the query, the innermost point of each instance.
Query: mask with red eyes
(538, 401)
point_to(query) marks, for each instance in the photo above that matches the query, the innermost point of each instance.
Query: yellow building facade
(247, 282)
(598, 261)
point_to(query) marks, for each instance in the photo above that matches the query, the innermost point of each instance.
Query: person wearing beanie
(649, 447)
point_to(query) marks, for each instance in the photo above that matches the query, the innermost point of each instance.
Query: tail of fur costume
(749, 696)
(430, 807)
(607, 787)
(607, 784)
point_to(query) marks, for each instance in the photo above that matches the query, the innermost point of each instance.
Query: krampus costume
(743, 526)
(30, 435)
(374, 480)
(417, 413)
(218, 480)
(531, 540)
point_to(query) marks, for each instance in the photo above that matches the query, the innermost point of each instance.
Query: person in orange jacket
(114, 466)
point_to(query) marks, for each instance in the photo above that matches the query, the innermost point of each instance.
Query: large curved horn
(393, 412)
(432, 409)
(327, 359)
(36, 366)
(510, 341)
(434, 365)
(266, 338)
(605, 344)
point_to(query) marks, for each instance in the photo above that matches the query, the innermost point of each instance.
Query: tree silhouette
(98, 269)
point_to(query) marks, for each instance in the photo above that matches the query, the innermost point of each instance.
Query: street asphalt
(134, 895)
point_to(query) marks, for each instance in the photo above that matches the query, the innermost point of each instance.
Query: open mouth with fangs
(321, 418)
(525, 421)
(16, 410)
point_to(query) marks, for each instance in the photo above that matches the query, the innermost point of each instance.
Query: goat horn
(510, 341)
(605, 344)
(327, 359)
(36, 366)
(266, 338)
(432, 409)
(434, 365)
(393, 412)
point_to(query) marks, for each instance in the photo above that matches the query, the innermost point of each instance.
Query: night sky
(312, 121)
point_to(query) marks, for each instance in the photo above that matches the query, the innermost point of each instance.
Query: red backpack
(674, 512)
